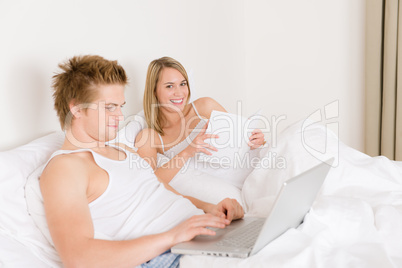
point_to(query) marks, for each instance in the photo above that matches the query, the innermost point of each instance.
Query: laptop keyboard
(245, 236)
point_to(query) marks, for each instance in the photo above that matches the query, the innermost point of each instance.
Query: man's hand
(196, 225)
(228, 208)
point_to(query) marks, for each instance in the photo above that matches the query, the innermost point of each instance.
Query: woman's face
(172, 90)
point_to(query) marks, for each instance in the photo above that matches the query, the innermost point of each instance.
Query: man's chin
(111, 136)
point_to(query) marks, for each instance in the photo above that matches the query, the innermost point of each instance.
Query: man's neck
(71, 143)
(76, 140)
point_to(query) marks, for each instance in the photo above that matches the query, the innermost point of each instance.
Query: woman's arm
(147, 148)
(146, 144)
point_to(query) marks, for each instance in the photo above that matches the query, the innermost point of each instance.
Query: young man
(102, 207)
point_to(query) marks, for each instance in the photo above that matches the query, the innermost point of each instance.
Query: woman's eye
(183, 84)
(169, 86)
(110, 108)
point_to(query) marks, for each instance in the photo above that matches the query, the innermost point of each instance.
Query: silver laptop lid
(292, 204)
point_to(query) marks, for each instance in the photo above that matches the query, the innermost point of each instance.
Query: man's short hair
(78, 80)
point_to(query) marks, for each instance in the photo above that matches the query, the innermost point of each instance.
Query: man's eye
(111, 108)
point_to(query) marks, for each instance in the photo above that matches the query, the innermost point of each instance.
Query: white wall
(304, 55)
(288, 57)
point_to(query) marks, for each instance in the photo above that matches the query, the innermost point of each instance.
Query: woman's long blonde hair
(151, 104)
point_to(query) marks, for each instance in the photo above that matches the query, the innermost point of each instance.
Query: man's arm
(64, 185)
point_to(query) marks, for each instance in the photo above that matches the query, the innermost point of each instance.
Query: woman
(177, 128)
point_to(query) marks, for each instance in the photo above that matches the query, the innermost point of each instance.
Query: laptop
(245, 237)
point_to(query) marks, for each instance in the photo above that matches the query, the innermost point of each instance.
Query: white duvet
(356, 220)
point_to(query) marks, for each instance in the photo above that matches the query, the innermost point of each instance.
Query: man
(101, 209)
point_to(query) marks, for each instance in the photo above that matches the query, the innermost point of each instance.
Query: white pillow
(15, 167)
(34, 199)
(36, 210)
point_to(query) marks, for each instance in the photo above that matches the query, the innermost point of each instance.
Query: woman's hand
(199, 144)
(256, 139)
(194, 226)
(228, 208)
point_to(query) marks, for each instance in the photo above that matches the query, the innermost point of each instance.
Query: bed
(356, 220)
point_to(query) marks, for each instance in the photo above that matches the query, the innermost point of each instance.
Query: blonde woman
(177, 128)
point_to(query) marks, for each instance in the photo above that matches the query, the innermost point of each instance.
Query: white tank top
(186, 142)
(135, 203)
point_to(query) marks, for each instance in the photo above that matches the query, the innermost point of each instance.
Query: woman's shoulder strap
(163, 146)
(196, 111)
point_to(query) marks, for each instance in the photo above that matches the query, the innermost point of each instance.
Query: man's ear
(75, 109)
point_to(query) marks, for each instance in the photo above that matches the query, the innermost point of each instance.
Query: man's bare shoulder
(71, 165)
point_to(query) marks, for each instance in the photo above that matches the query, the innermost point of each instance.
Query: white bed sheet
(356, 220)
(16, 254)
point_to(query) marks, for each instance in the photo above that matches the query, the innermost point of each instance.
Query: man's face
(102, 117)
